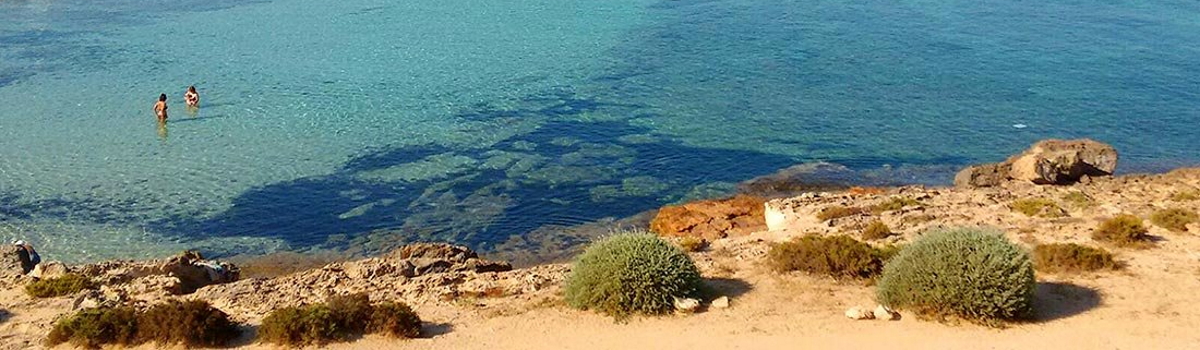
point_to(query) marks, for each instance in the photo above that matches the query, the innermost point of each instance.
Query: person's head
(162, 97)
(192, 89)
(18, 242)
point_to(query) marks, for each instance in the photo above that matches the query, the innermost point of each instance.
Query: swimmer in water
(191, 97)
(160, 108)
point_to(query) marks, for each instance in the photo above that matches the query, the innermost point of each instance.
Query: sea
(354, 126)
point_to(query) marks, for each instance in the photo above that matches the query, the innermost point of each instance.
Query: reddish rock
(711, 219)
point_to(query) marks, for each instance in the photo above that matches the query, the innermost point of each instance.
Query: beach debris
(859, 313)
(883, 313)
(686, 305)
(49, 269)
(720, 303)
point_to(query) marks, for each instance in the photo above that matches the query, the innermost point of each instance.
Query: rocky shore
(471, 302)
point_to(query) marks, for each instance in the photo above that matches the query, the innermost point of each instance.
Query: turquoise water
(363, 124)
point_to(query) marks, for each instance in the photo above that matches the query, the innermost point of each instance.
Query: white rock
(883, 313)
(857, 313)
(686, 305)
(720, 303)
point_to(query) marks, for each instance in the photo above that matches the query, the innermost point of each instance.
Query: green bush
(631, 273)
(876, 230)
(837, 211)
(191, 323)
(394, 320)
(894, 203)
(968, 273)
(92, 328)
(1039, 207)
(1071, 257)
(59, 286)
(1174, 219)
(1122, 230)
(835, 256)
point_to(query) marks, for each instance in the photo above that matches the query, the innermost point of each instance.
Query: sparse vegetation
(1174, 219)
(1122, 230)
(191, 323)
(1038, 207)
(876, 230)
(894, 203)
(835, 256)
(692, 243)
(339, 318)
(1186, 196)
(968, 273)
(1078, 200)
(59, 286)
(837, 211)
(631, 273)
(1071, 258)
(92, 328)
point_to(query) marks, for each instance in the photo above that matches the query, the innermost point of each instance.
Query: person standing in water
(191, 97)
(160, 108)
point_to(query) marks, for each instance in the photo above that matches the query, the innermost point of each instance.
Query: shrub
(1174, 219)
(351, 312)
(837, 211)
(631, 273)
(1071, 257)
(1078, 200)
(1039, 207)
(1186, 196)
(92, 328)
(58, 286)
(339, 318)
(1122, 230)
(298, 326)
(835, 256)
(692, 243)
(968, 273)
(191, 323)
(894, 203)
(394, 320)
(876, 230)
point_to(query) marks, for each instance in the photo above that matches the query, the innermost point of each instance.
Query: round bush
(970, 273)
(631, 273)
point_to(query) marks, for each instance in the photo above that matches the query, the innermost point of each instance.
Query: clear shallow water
(367, 123)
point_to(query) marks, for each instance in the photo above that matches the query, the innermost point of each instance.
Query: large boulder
(1063, 162)
(1047, 162)
(711, 219)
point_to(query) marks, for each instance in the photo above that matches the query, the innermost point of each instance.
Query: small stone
(883, 313)
(720, 303)
(857, 313)
(686, 305)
